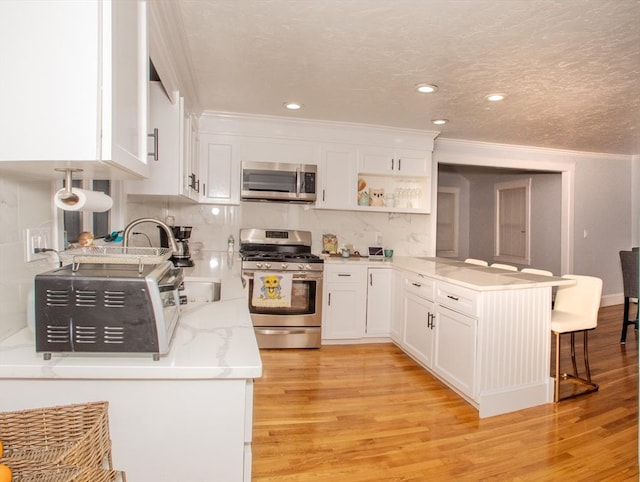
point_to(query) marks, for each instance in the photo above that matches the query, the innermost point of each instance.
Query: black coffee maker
(182, 234)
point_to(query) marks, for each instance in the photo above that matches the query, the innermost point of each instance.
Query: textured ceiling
(570, 68)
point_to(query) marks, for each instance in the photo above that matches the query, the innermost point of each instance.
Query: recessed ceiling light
(426, 88)
(292, 105)
(440, 122)
(495, 97)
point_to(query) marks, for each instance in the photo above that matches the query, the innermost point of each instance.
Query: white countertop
(212, 341)
(479, 278)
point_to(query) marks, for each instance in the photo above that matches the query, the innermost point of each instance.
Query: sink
(197, 291)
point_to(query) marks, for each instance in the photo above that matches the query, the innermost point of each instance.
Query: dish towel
(272, 290)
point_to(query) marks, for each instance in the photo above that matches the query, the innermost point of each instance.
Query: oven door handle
(296, 275)
(281, 331)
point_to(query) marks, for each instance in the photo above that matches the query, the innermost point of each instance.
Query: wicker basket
(69, 435)
(26, 471)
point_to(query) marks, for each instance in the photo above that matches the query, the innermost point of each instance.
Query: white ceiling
(570, 68)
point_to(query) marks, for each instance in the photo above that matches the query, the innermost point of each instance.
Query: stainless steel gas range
(283, 283)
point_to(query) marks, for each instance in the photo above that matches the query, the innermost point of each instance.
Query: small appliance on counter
(182, 234)
(119, 305)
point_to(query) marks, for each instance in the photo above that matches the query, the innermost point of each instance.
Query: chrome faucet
(135, 222)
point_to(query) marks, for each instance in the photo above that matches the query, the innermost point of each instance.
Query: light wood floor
(369, 413)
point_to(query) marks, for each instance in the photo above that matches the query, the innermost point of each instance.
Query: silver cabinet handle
(392, 163)
(399, 161)
(454, 298)
(344, 275)
(155, 153)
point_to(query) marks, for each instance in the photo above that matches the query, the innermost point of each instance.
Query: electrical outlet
(36, 238)
(378, 239)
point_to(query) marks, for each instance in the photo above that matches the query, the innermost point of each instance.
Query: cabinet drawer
(459, 299)
(346, 274)
(419, 285)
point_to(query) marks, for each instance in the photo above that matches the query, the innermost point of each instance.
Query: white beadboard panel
(514, 339)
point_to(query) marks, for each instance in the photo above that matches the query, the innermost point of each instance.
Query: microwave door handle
(298, 182)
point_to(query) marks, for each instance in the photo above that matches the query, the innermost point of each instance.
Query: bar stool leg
(556, 392)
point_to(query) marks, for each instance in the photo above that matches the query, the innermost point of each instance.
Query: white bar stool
(504, 266)
(575, 310)
(479, 262)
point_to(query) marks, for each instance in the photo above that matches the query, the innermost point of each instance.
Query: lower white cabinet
(379, 301)
(438, 333)
(456, 366)
(418, 337)
(344, 302)
(418, 317)
(397, 306)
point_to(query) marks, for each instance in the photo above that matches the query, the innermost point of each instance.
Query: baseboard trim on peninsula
(499, 402)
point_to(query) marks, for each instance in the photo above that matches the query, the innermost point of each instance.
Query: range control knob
(267, 265)
(300, 266)
(258, 265)
(285, 265)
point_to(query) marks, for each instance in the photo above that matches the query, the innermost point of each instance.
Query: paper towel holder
(68, 196)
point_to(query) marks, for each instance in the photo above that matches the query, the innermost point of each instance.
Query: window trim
(455, 191)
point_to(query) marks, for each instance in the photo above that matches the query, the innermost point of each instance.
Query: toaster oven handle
(172, 280)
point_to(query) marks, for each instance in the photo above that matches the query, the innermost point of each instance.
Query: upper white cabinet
(390, 161)
(170, 172)
(219, 169)
(75, 79)
(337, 177)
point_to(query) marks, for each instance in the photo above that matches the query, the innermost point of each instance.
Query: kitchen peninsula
(185, 417)
(485, 332)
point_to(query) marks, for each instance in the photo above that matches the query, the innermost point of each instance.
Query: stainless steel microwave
(276, 181)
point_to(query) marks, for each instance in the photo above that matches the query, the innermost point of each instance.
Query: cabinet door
(191, 181)
(220, 170)
(418, 328)
(166, 173)
(376, 160)
(77, 89)
(397, 307)
(379, 298)
(337, 178)
(455, 354)
(345, 303)
(412, 162)
(345, 312)
(126, 115)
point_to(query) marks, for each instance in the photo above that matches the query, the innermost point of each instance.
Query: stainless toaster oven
(107, 308)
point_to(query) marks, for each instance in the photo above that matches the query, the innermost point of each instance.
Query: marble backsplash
(408, 235)
(22, 205)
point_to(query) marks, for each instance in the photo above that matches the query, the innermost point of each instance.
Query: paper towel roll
(83, 200)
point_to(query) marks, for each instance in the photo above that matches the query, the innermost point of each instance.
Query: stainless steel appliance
(107, 308)
(272, 252)
(182, 257)
(274, 181)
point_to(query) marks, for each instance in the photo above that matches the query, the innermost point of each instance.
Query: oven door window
(303, 300)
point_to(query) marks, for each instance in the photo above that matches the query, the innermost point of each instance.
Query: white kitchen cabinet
(220, 169)
(337, 177)
(456, 366)
(76, 86)
(392, 161)
(379, 302)
(191, 172)
(401, 177)
(169, 174)
(419, 318)
(345, 302)
(397, 306)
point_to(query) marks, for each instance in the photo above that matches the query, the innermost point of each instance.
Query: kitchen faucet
(135, 222)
